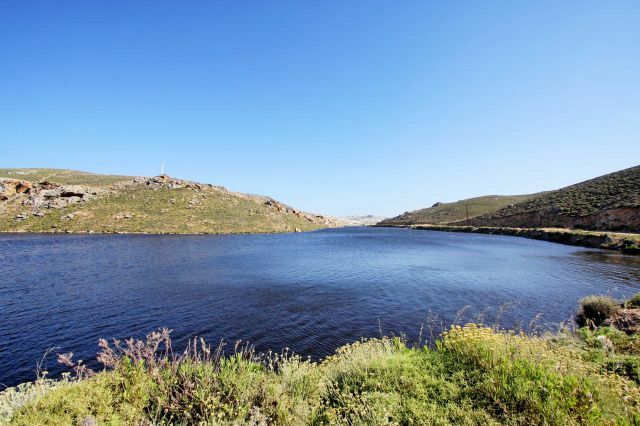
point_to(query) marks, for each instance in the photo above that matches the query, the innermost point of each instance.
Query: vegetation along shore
(471, 374)
(603, 212)
(627, 243)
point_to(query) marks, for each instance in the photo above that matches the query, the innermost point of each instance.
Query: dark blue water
(311, 292)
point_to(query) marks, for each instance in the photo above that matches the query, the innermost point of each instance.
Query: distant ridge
(53, 200)
(606, 203)
(443, 213)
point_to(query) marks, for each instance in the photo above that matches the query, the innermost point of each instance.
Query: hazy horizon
(335, 108)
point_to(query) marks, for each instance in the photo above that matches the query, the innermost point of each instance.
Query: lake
(310, 292)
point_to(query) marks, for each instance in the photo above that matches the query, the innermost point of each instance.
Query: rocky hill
(609, 203)
(50, 200)
(365, 220)
(443, 213)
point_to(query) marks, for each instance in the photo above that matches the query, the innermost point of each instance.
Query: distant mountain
(442, 213)
(52, 200)
(360, 220)
(610, 202)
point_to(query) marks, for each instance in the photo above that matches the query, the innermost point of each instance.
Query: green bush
(633, 302)
(594, 310)
(626, 366)
(631, 249)
(474, 375)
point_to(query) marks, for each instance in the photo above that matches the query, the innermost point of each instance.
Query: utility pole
(161, 169)
(466, 207)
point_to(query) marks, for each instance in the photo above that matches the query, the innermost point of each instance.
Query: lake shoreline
(624, 242)
(592, 369)
(59, 232)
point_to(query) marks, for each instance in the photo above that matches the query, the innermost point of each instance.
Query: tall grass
(472, 375)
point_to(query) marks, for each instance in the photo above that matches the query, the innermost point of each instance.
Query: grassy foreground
(471, 375)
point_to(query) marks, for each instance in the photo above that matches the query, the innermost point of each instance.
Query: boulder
(10, 187)
(627, 320)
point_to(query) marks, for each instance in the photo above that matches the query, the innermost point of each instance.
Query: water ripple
(310, 292)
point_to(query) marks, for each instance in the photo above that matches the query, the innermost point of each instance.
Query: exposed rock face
(9, 187)
(283, 208)
(214, 208)
(166, 182)
(47, 195)
(627, 320)
(44, 195)
(610, 202)
(367, 220)
(595, 239)
(623, 219)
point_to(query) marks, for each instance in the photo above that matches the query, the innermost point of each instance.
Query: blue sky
(333, 107)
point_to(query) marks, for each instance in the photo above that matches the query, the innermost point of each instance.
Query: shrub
(626, 366)
(633, 302)
(594, 310)
(475, 375)
(631, 249)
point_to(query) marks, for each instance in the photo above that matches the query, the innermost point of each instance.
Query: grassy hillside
(63, 177)
(471, 375)
(442, 213)
(609, 202)
(74, 201)
(606, 203)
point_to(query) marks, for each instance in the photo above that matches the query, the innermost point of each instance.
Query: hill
(442, 213)
(609, 203)
(365, 220)
(51, 200)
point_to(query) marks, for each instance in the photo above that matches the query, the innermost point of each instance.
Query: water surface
(311, 292)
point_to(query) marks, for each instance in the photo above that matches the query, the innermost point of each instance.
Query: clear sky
(336, 107)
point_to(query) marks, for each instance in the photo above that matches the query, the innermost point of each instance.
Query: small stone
(88, 421)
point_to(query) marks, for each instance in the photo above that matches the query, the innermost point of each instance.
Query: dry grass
(141, 209)
(472, 375)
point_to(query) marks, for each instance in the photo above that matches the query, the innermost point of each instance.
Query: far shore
(625, 242)
(65, 231)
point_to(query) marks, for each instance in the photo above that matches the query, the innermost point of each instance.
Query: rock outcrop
(627, 320)
(165, 182)
(39, 196)
(9, 187)
(594, 239)
(47, 195)
(313, 218)
(82, 202)
(606, 203)
(622, 219)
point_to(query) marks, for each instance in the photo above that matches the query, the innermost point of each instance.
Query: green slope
(62, 176)
(609, 202)
(442, 213)
(150, 205)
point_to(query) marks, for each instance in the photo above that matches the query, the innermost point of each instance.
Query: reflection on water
(311, 292)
